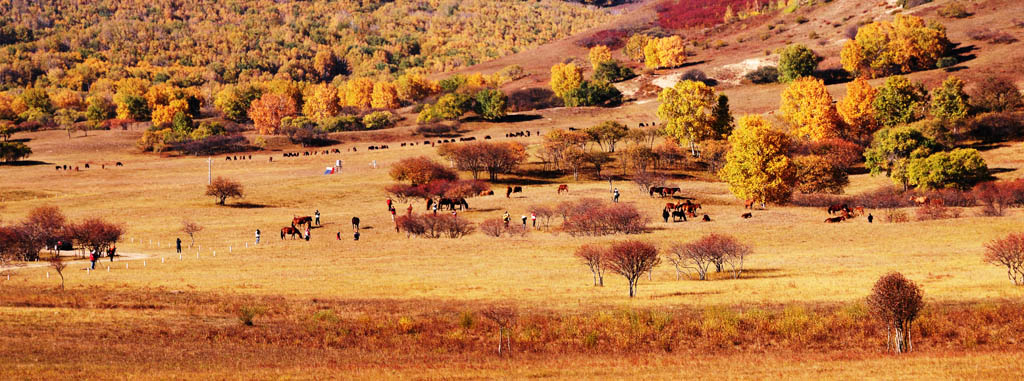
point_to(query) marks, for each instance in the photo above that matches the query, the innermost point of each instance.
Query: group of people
(95, 255)
(507, 218)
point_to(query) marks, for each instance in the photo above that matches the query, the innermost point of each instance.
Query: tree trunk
(499, 340)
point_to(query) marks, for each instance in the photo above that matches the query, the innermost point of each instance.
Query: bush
(378, 119)
(992, 36)
(14, 151)
(611, 71)
(612, 38)
(883, 198)
(608, 218)
(1008, 252)
(434, 225)
(591, 93)
(896, 216)
(437, 129)
(997, 126)
(533, 99)
(945, 62)
(341, 123)
(420, 170)
(996, 94)
(698, 76)
(961, 168)
(491, 104)
(795, 61)
(246, 314)
(934, 211)
(493, 227)
(763, 74)
(996, 197)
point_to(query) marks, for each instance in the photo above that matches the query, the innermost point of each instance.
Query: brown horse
(299, 221)
(667, 191)
(658, 190)
(838, 208)
(289, 230)
(747, 215)
(749, 204)
(835, 220)
(563, 187)
(860, 210)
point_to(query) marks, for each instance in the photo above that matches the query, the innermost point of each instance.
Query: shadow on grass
(247, 205)
(680, 293)
(23, 163)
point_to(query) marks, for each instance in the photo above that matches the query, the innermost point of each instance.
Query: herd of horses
(297, 222)
(449, 203)
(663, 191)
(65, 167)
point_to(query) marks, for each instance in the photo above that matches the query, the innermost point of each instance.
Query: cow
(305, 220)
(678, 215)
(834, 220)
(563, 187)
(289, 230)
(666, 191)
(747, 215)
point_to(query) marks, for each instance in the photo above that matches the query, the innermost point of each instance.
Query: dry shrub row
(434, 225)
(373, 327)
(592, 217)
(495, 227)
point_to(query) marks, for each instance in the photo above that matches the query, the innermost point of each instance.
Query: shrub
(1008, 252)
(698, 76)
(14, 151)
(607, 218)
(434, 225)
(883, 198)
(931, 211)
(612, 38)
(893, 215)
(591, 93)
(692, 13)
(420, 170)
(993, 36)
(491, 104)
(763, 74)
(534, 98)
(945, 62)
(795, 61)
(437, 129)
(961, 168)
(378, 119)
(214, 145)
(719, 250)
(997, 127)
(611, 71)
(493, 227)
(246, 314)
(996, 94)
(896, 302)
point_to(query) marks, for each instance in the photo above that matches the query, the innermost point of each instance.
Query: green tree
(100, 108)
(491, 104)
(449, 106)
(795, 61)
(757, 167)
(686, 112)
(611, 71)
(898, 101)
(607, 134)
(893, 148)
(960, 168)
(132, 107)
(722, 120)
(949, 102)
(234, 101)
(590, 93)
(37, 98)
(14, 151)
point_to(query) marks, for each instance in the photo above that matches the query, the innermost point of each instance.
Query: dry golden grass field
(393, 307)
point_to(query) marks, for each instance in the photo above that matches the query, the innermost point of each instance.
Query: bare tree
(690, 255)
(191, 228)
(58, 265)
(543, 212)
(96, 234)
(594, 257)
(631, 259)
(222, 188)
(713, 249)
(896, 301)
(504, 317)
(1008, 252)
(47, 223)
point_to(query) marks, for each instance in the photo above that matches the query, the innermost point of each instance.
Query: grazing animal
(749, 204)
(488, 137)
(119, 164)
(517, 189)
(289, 230)
(487, 193)
(299, 221)
(355, 222)
(430, 202)
(835, 208)
(58, 167)
(747, 215)
(706, 218)
(508, 192)
(860, 209)
(834, 220)
(563, 187)
(652, 190)
(666, 191)
(671, 206)
(678, 216)
(86, 165)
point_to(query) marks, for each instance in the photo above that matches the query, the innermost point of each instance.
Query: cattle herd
(65, 167)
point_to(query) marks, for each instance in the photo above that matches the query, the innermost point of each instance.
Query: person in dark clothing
(356, 235)
(870, 218)
(111, 252)
(178, 245)
(664, 214)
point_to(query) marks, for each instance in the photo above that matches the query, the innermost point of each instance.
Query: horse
(678, 215)
(517, 189)
(671, 206)
(860, 209)
(487, 193)
(119, 164)
(747, 215)
(837, 208)
(666, 191)
(563, 187)
(690, 207)
(430, 202)
(652, 190)
(834, 220)
(749, 204)
(355, 222)
(299, 221)
(289, 230)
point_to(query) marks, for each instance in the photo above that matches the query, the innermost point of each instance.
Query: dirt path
(85, 262)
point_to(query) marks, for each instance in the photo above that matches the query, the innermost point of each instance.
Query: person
(257, 236)
(307, 232)
(533, 218)
(111, 252)
(92, 258)
(339, 236)
(389, 203)
(392, 210)
(317, 214)
(505, 218)
(178, 245)
(870, 218)
(454, 214)
(664, 214)
(615, 198)
(356, 235)
(435, 209)
(524, 222)
(508, 193)
(408, 211)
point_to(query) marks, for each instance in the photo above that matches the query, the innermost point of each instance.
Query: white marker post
(161, 259)
(215, 253)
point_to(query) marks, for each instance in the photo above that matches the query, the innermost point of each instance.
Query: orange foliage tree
(858, 111)
(267, 112)
(808, 107)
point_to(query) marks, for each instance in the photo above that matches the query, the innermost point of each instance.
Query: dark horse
(299, 221)
(838, 208)
(451, 203)
(289, 230)
(834, 219)
(678, 215)
(355, 222)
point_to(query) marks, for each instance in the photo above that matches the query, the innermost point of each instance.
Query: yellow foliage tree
(68, 99)
(385, 96)
(321, 103)
(757, 167)
(665, 52)
(132, 86)
(359, 93)
(808, 107)
(599, 54)
(164, 114)
(414, 87)
(634, 48)
(858, 111)
(266, 113)
(565, 77)
(686, 111)
(900, 46)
